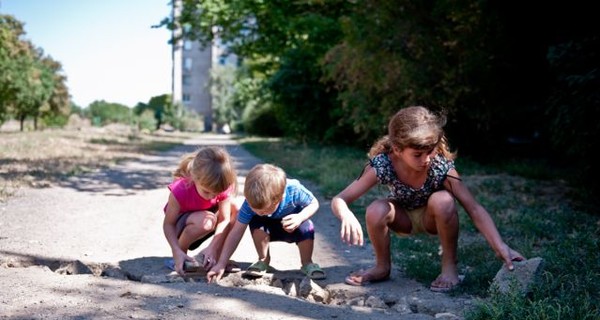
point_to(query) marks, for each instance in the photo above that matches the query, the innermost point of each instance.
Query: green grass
(533, 211)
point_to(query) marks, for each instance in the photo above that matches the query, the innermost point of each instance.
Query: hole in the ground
(282, 284)
(66, 267)
(294, 286)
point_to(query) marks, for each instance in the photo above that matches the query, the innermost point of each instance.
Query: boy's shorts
(274, 229)
(181, 222)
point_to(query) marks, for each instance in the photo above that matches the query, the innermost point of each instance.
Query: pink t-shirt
(188, 198)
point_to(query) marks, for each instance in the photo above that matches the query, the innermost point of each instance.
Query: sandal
(313, 271)
(170, 264)
(257, 269)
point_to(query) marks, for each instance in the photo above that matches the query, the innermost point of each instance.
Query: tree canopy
(31, 83)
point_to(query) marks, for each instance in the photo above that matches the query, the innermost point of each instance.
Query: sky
(108, 48)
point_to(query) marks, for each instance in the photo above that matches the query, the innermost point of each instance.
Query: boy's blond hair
(264, 186)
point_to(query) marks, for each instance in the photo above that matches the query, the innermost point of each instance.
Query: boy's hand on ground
(215, 273)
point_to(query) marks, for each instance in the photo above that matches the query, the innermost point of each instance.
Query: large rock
(521, 278)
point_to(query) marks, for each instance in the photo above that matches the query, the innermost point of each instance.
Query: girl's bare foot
(445, 283)
(364, 277)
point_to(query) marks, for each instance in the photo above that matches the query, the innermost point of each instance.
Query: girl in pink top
(200, 205)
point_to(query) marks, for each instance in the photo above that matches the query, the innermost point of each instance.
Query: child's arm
(169, 223)
(211, 253)
(231, 243)
(482, 220)
(351, 230)
(292, 221)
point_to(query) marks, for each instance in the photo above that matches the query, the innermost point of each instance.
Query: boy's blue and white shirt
(295, 198)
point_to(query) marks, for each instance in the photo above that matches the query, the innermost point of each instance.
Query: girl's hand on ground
(351, 230)
(509, 255)
(179, 259)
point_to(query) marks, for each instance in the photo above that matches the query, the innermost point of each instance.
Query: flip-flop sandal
(257, 269)
(170, 264)
(313, 271)
(351, 281)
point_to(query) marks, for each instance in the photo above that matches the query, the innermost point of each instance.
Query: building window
(187, 64)
(186, 80)
(187, 45)
(186, 97)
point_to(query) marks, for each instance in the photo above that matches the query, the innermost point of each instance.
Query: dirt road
(92, 248)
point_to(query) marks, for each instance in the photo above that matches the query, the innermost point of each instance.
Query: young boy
(277, 209)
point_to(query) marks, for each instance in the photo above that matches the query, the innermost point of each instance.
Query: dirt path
(92, 248)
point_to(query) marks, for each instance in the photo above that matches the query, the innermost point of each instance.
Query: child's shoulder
(440, 160)
(181, 182)
(292, 184)
(381, 160)
(295, 187)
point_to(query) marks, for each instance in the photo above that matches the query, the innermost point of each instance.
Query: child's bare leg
(197, 226)
(261, 243)
(442, 208)
(379, 215)
(306, 250)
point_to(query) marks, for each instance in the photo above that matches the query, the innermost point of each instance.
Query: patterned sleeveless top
(406, 196)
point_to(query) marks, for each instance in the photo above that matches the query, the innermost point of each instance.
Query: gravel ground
(91, 247)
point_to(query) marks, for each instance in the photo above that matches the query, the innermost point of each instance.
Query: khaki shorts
(416, 219)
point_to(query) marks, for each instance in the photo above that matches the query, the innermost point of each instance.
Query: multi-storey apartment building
(191, 64)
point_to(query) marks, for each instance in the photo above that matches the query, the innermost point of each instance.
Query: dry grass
(40, 158)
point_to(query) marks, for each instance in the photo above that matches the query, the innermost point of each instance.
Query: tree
(222, 79)
(31, 84)
(400, 53)
(161, 106)
(58, 107)
(103, 113)
(11, 47)
(268, 34)
(34, 84)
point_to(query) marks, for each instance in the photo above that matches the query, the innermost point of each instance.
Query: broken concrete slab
(524, 275)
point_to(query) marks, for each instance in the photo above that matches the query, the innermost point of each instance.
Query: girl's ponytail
(383, 145)
(183, 170)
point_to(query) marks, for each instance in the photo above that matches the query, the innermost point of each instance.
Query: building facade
(191, 66)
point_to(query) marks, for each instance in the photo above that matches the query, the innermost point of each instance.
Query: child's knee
(442, 199)
(307, 229)
(204, 224)
(377, 211)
